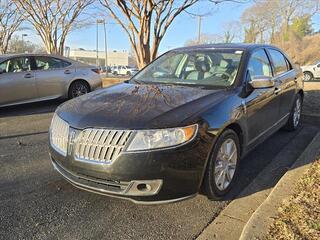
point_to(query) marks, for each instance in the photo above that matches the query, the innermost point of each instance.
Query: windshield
(210, 67)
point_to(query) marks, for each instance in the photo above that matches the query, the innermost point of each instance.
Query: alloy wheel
(307, 77)
(225, 164)
(297, 112)
(78, 90)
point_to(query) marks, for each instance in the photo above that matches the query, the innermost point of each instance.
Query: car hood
(138, 106)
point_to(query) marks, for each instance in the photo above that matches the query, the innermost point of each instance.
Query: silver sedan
(28, 78)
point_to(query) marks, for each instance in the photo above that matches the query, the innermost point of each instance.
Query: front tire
(307, 76)
(78, 88)
(295, 114)
(223, 165)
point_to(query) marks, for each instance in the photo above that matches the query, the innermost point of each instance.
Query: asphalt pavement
(37, 203)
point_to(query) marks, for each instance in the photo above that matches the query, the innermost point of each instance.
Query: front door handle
(28, 75)
(67, 71)
(277, 90)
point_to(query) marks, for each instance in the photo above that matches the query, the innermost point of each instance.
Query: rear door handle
(28, 75)
(277, 90)
(67, 71)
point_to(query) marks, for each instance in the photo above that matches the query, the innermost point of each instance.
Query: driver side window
(259, 65)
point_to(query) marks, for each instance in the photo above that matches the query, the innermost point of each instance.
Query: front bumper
(143, 177)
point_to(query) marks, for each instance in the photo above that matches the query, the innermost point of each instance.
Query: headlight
(162, 138)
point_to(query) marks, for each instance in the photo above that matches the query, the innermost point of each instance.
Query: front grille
(100, 145)
(59, 131)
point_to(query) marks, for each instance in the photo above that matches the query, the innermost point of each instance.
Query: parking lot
(36, 203)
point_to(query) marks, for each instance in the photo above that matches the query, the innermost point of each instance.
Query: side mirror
(258, 82)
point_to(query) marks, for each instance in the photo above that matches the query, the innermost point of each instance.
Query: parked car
(180, 125)
(124, 70)
(311, 71)
(28, 78)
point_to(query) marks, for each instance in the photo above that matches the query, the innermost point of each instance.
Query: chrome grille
(100, 145)
(59, 131)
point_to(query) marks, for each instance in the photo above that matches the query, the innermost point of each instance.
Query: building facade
(114, 58)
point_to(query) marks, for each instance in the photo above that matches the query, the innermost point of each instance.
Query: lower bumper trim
(121, 191)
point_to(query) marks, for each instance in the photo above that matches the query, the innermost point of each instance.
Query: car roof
(239, 46)
(8, 56)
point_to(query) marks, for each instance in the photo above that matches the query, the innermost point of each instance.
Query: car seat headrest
(202, 66)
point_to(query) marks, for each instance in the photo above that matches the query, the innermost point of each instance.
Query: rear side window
(259, 65)
(19, 64)
(279, 61)
(48, 63)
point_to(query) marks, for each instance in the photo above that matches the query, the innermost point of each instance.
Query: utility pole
(22, 44)
(97, 47)
(199, 28)
(105, 46)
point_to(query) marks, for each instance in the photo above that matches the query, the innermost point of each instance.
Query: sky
(184, 27)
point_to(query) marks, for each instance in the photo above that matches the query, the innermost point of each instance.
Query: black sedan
(181, 125)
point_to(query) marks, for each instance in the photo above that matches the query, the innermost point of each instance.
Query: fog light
(144, 187)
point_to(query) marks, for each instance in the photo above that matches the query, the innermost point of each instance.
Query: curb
(232, 222)
(263, 217)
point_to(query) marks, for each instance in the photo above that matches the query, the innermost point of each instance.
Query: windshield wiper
(135, 81)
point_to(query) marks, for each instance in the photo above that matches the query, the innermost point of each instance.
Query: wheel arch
(301, 93)
(77, 80)
(309, 72)
(236, 127)
(238, 130)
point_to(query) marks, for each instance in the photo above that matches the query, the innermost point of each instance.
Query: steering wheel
(224, 75)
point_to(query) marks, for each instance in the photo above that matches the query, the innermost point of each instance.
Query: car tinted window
(48, 63)
(279, 61)
(20, 64)
(205, 67)
(259, 64)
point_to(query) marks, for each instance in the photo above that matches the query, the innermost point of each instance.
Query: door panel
(262, 112)
(317, 71)
(262, 105)
(17, 81)
(285, 77)
(287, 85)
(52, 76)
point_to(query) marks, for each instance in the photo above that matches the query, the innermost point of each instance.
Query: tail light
(96, 70)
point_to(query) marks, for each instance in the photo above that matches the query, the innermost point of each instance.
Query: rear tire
(295, 114)
(223, 165)
(78, 88)
(307, 76)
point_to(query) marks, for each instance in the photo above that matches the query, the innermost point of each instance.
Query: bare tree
(53, 19)
(232, 32)
(10, 21)
(145, 22)
(265, 19)
(17, 45)
(205, 39)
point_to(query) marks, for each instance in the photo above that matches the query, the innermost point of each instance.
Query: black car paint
(254, 114)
